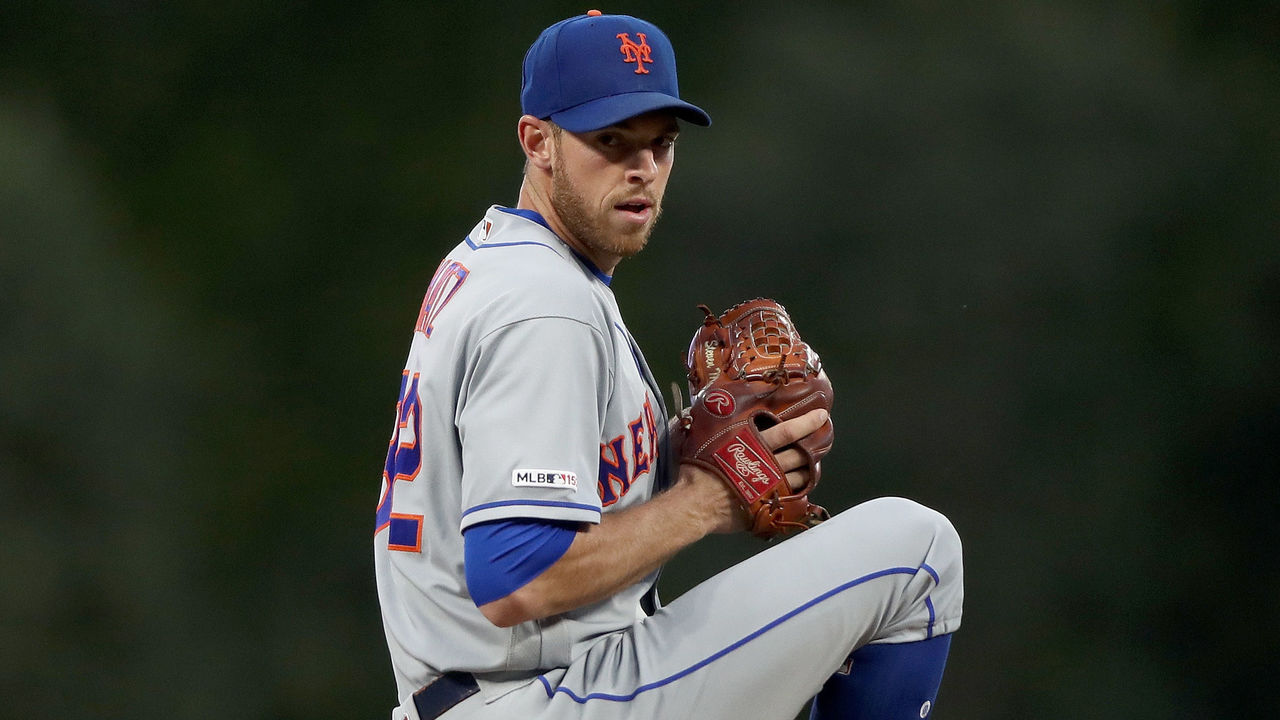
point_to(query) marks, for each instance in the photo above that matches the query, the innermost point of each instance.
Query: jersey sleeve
(529, 421)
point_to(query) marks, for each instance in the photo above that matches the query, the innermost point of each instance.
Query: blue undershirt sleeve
(504, 555)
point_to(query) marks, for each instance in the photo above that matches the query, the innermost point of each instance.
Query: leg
(759, 639)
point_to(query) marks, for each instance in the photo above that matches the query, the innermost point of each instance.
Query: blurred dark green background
(1035, 242)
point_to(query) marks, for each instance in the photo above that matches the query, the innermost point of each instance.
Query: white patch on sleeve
(544, 478)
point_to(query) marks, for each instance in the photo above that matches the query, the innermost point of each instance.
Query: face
(607, 185)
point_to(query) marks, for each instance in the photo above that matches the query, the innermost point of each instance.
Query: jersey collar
(535, 216)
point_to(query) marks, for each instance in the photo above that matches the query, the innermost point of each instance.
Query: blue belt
(446, 691)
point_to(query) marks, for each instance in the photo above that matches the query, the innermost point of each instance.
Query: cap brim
(616, 108)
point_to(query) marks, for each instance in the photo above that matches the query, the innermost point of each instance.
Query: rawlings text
(743, 462)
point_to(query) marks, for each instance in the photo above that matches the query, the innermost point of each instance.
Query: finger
(785, 433)
(798, 480)
(791, 459)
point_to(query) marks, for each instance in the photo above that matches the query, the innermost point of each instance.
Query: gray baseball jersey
(525, 396)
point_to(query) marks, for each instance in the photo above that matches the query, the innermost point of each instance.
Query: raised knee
(941, 557)
(921, 526)
(914, 514)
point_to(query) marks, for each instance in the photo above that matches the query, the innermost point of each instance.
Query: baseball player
(530, 494)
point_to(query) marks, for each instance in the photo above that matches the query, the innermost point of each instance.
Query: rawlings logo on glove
(749, 370)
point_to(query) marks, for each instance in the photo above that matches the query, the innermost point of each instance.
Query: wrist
(711, 502)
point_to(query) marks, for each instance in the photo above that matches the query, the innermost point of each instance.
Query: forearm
(626, 546)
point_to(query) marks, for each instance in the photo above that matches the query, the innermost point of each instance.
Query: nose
(644, 167)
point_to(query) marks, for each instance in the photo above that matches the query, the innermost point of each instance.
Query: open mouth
(633, 207)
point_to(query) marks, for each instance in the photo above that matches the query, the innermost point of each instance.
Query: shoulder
(526, 272)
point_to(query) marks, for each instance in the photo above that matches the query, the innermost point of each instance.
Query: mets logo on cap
(636, 53)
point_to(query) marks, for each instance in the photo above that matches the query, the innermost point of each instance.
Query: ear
(535, 140)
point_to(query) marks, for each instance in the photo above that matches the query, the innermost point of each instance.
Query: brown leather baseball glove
(749, 370)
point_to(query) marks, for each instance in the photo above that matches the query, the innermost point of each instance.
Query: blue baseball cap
(592, 71)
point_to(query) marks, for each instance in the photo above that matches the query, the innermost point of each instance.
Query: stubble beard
(591, 229)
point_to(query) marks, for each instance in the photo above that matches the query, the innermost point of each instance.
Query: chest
(633, 429)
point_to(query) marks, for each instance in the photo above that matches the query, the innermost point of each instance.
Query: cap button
(594, 13)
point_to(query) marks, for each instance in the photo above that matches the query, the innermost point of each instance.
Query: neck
(536, 196)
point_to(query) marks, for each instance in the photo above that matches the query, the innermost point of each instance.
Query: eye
(665, 142)
(607, 140)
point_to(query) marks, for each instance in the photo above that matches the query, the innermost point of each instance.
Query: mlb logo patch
(534, 477)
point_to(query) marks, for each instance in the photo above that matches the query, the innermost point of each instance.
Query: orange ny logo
(633, 53)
